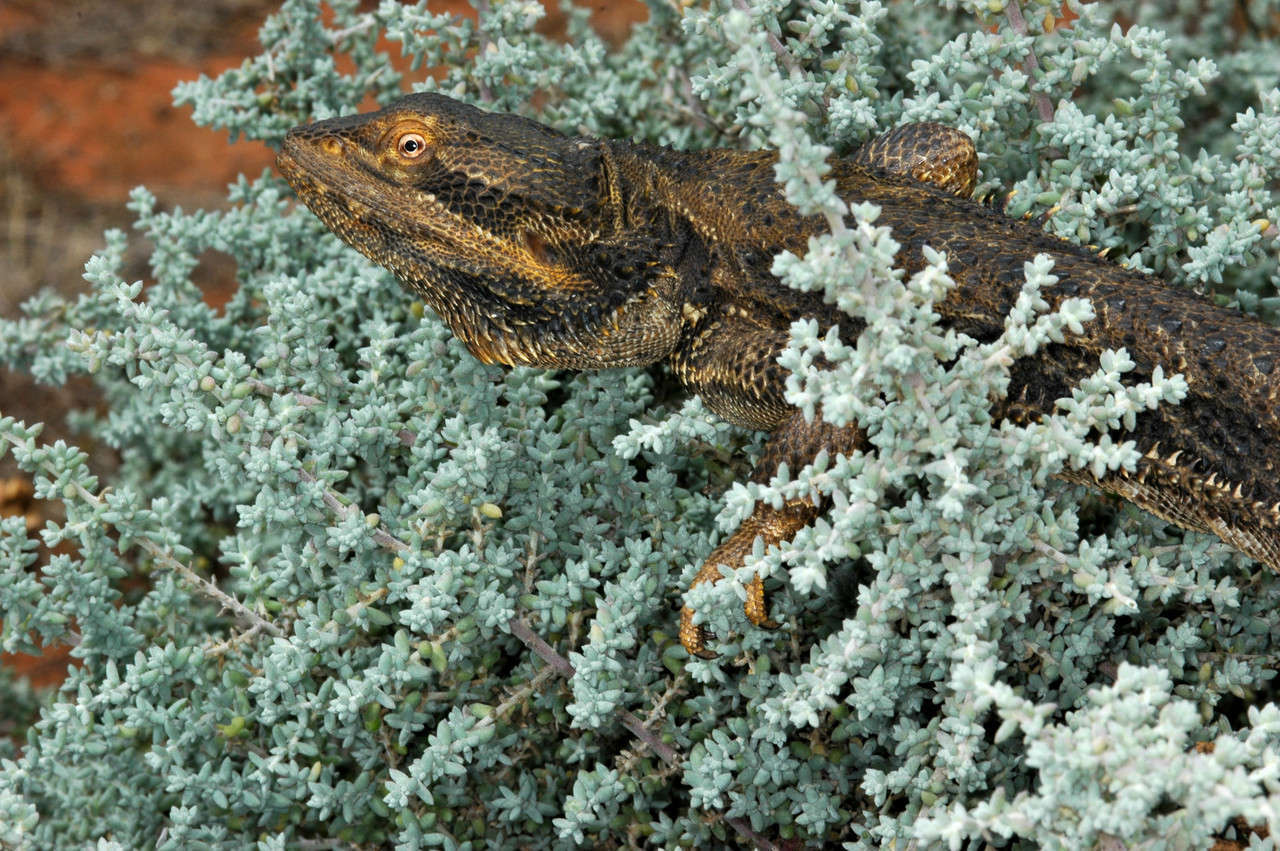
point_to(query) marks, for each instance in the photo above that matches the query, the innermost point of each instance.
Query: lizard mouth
(359, 205)
(342, 211)
(292, 171)
(399, 226)
(318, 181)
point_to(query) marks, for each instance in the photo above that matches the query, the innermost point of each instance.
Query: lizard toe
(695, 637)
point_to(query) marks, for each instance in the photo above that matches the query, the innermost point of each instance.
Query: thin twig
(210, 589)
(165, 559)
(779, 49)
(264, 389)
(666, 753)
(482, 44)
(534, 642)
(324, 844)
(222, 647)
(381, 536)
(784, 56)
(336, 36)
(516, 698)
(1031, 64)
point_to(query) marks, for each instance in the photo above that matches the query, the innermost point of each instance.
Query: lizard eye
(411, 145)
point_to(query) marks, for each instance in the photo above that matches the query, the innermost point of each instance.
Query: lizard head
(511, 231)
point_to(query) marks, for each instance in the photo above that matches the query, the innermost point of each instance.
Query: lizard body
(547, 250)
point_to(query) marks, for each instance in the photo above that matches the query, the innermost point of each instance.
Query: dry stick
(1031, 64)
(165, 558)
(666, 753)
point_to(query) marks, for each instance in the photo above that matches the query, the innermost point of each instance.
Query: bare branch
(1032, 63)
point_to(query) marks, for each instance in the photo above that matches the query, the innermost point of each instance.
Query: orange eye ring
(411, 145)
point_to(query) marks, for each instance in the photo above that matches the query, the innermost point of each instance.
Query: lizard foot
(696, 637)
(774, 526)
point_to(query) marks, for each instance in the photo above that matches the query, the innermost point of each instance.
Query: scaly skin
(553, 251)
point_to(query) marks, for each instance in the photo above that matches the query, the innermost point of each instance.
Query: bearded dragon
(566, 252)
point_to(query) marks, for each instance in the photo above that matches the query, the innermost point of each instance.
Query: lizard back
(1209, 462)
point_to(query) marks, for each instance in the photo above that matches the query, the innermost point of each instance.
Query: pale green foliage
(1089, 789)
(294, 600)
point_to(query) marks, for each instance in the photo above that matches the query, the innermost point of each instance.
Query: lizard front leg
(730, 359)
(796, 442)
(731, 362)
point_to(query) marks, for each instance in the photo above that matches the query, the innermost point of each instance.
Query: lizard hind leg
(927, 152)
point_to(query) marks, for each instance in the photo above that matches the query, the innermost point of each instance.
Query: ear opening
(536, 246)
